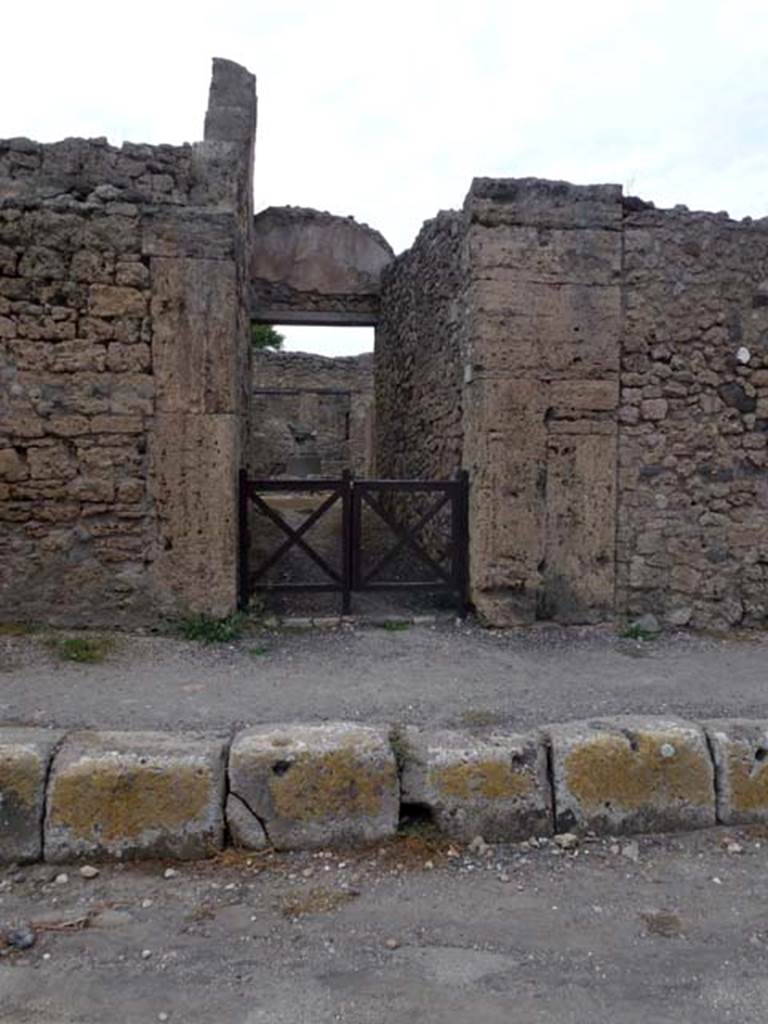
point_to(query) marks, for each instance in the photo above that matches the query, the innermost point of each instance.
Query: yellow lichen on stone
(20, 776)
(749, 787)
(113, 802)
(490, 779)
(315, 787)
(607, 770)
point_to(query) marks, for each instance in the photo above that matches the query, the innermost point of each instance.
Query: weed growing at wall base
(207, 629)
(395, 625)
(87, 650)
(635, 632)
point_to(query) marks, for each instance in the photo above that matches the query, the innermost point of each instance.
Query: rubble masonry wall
(307, 406)
(614, 432)
(123, 369)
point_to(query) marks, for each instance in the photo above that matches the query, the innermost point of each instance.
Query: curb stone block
(740, 750)
(245, 829)
(630, 774)
(25, 755)
(135, 795)
(494, 786)
(313, 785)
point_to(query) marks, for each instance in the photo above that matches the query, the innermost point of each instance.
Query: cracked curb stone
(740, 751)
(631, 774)
(134, 795)
(493, 786)
(314, 785)
(245, 829)
(25, 756)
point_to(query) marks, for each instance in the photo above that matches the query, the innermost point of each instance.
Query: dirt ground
(670, 931)
(664, 929)
(445, 674)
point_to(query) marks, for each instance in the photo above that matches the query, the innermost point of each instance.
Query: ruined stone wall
(123, 350)
(693, 509)
(309, 266)
(311, 413)
(540, 396)
(419, 346)
(610, 365)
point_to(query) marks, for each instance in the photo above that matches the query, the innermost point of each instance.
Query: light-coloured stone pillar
(201, 358)
(540, 393)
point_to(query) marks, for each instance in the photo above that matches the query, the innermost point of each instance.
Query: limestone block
(740, 749)
(184, 233)
(493, 786)
(12, 466)
(631, 774)
(314, 785)
(578, 576)
(24, 758)
(196, 340)
(193, 481)
(542, 203)
(135, 795)
(116, 300)
(654, 408)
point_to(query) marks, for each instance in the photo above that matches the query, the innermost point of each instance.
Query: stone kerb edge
(618, 775)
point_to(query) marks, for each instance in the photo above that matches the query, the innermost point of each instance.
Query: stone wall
(311, 414)
(540, 397)
(420, 343)
(606, 361)
(693, 510)
(309, 266)
(123, 369)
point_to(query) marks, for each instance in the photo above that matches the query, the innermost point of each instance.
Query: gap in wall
(327, 341)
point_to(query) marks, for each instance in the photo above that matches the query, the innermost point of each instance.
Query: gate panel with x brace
(355, 495)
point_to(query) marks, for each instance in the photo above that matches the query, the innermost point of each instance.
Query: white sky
(386, 110)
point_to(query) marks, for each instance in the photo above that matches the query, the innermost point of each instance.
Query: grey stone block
(740, 750)
(135, 795)
(25, 755)
(631, 774)
(314, 785)
(494, 786)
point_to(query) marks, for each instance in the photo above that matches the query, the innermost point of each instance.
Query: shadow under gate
(387, 535)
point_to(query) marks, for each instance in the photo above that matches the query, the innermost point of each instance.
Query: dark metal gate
(443, 559)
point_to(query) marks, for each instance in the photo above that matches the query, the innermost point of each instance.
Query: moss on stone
(108, 803)
(489, 779)
(20, 772)
(315, 787)
(610, 770)
(748, 780)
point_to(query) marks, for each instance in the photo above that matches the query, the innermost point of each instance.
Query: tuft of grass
(395, 625)
(663, 923)
(398, 741)
(258, 651)
(479, 718)
(416, 841)
(207, 629)
(316, 901)
(17, 629)
(86, 650)
(637, 633)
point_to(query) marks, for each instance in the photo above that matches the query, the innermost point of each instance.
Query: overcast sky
(386, 110)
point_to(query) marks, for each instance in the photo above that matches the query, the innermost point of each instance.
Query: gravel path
(669, 930)
(447, 674)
